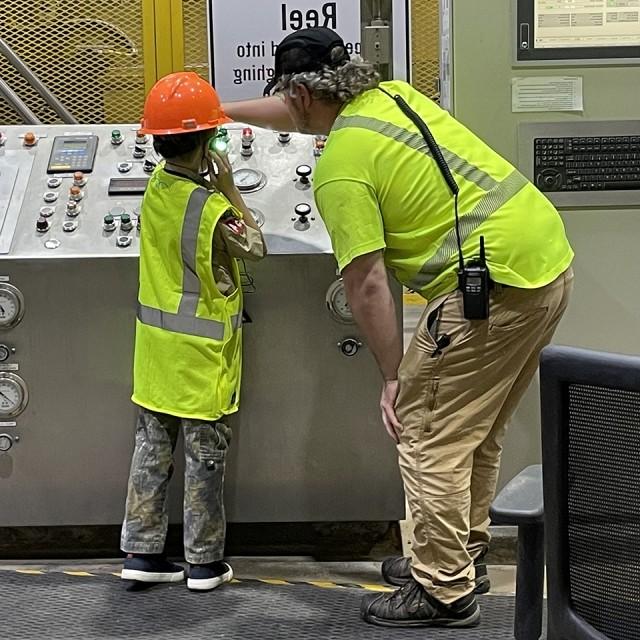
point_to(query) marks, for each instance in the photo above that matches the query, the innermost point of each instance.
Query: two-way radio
(473, 277)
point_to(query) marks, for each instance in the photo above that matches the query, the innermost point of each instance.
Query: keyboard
(603, 163)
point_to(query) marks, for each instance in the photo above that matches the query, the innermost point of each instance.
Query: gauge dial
(249, 179)
(338, 304)
(11, 306)
(13, 395)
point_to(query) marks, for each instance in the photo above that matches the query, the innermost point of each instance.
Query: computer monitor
(578, 31)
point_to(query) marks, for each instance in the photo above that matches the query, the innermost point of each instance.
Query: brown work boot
(397, 571)
(413, 606)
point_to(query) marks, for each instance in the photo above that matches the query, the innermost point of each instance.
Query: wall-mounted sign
(243, 35)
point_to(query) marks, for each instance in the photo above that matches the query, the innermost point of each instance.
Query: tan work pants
(454, 406)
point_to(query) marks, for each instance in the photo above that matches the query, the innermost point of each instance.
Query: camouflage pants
(146, 519)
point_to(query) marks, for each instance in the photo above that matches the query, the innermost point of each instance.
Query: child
(187, 360)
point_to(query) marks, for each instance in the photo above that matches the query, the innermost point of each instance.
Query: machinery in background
(308, 443)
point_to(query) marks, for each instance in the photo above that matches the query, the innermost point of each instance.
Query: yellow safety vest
(377, 149)
(188, 345)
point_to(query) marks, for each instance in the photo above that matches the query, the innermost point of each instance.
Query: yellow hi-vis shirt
(188, 345)
(377, 187)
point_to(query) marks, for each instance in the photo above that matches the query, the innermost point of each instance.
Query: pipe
(18, 105)
(35, 82)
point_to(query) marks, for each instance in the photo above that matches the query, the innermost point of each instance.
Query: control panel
(583, 163)
(75, 191)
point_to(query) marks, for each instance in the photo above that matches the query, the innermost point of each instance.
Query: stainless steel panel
(308, 441)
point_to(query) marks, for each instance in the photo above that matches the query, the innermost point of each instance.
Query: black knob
(148, 166)
(42, 224)
(349, 347)
(284, 137)
(139, 152)
(302, 211)
(304, 171)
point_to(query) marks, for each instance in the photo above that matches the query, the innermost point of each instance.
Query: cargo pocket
(214, 443)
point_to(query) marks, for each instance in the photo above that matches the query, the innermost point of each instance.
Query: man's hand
(387, 406)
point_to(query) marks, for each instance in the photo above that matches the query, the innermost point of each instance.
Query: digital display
(586, 23)
(127, 186)
(593, 31)
(73, 153)
(72, 145)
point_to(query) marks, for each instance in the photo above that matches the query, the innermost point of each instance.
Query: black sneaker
(397, 571)
(204, 577)
(413, 606)
(149, 567)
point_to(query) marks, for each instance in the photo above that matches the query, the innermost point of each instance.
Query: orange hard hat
(181, 103)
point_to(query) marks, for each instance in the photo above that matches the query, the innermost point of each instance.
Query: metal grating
(196, 52)
(89, 54)
(604, 508)
(425, 46)
(59, 607)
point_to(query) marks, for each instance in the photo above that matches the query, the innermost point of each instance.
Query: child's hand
(221, 173)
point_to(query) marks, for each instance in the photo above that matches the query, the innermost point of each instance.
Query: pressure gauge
(13, 395)
(337, 303)
(248, 180)
(11, 306)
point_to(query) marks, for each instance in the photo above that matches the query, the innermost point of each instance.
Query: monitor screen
(578, 29)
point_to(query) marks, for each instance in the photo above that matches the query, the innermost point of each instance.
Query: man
(386, 205)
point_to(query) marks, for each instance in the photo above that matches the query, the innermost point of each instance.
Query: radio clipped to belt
(474, 280)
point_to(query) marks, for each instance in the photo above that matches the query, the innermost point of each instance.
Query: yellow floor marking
(80, 574)
(413, 299)
(375, 587)
(30, 572)
(277, 582)
(324, 585)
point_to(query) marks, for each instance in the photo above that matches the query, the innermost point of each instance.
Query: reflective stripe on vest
(180, 323)
(469, 222)
(497, 193)
(185, 321)
(189, 246)
(417, 143)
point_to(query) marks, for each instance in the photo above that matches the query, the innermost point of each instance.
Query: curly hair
(336, 84)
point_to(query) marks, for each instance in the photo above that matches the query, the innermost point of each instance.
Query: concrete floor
(290, 569)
